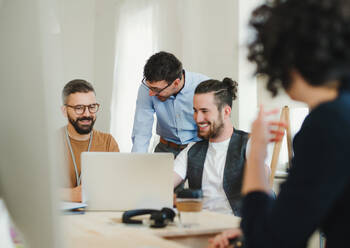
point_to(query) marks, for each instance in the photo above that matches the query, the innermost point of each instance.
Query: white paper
(72, 205)
(5, 227)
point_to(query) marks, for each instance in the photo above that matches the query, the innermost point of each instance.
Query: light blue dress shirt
(175, 121)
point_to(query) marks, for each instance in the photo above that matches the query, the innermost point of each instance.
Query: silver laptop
(124, 181)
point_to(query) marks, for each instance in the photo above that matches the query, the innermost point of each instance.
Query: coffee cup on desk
(189, 203)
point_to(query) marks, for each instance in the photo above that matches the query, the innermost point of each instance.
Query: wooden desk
(104, 229)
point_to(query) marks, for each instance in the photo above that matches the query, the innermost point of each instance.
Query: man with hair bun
(216, 163)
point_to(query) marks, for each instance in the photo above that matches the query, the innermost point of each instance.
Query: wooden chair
(277, 147)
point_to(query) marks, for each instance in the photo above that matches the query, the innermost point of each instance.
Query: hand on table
(222, 240)
(71, 194)
(76, 194)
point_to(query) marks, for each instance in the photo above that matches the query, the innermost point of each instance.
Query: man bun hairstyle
(225, 91)
(74, 86)
(162, 66)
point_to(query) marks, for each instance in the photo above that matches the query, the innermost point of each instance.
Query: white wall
(104, 58)
(88, 48)
(88, 33)
(210, 37)
(247, 92)
(78, 38)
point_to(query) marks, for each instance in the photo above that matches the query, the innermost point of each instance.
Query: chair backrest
(277, 147)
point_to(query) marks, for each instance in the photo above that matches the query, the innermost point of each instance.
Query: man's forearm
(177, 180)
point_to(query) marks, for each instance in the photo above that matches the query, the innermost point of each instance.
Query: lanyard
(73, 157)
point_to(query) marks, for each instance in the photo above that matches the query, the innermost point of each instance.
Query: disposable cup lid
(190, 193)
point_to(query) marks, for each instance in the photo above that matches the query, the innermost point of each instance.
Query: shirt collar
(186, 87)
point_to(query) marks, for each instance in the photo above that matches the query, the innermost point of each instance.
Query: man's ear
(177, 82)
(64, 111)
(227, 111)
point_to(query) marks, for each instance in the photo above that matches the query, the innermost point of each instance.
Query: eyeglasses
(80, 109)
(155, 90)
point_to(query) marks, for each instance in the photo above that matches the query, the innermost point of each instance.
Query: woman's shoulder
(332, 113)
(328, 122)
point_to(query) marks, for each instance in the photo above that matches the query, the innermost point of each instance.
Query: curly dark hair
(310, 36)
(162, 66)
(225, 92)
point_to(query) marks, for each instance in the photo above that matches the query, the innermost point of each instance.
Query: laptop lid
(124, 181)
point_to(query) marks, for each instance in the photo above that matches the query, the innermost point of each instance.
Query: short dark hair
(224, 92)
(162, 66)
(311, 36)
(74, 86)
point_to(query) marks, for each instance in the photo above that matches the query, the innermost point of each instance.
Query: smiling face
(209, 119)
(82, 123)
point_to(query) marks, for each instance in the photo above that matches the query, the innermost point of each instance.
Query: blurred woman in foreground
(303, 46)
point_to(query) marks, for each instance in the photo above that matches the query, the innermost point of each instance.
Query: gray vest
(233, 172)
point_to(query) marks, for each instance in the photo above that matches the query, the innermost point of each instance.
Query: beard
(82, 129)
(163, 98)
(215, 129)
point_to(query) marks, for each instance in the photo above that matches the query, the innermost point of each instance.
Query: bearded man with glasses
(167, 91)
(80, 108)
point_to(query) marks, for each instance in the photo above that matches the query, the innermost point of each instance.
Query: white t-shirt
(214, 197)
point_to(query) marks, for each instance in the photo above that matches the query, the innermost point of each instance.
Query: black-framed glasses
(80, 109)
(155, 90)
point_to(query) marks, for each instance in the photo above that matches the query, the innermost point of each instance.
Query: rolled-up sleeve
(143, 121)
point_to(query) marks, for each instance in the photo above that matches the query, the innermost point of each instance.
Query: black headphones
(158, 218)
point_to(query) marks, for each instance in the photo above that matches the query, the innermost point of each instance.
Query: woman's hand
(76, 194)
(265, 131)
(222, 240)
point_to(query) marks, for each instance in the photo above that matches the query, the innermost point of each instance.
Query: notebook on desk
(123, 181)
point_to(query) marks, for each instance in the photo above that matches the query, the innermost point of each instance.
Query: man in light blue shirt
(166, 90)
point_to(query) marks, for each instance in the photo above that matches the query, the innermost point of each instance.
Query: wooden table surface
(104, 229)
